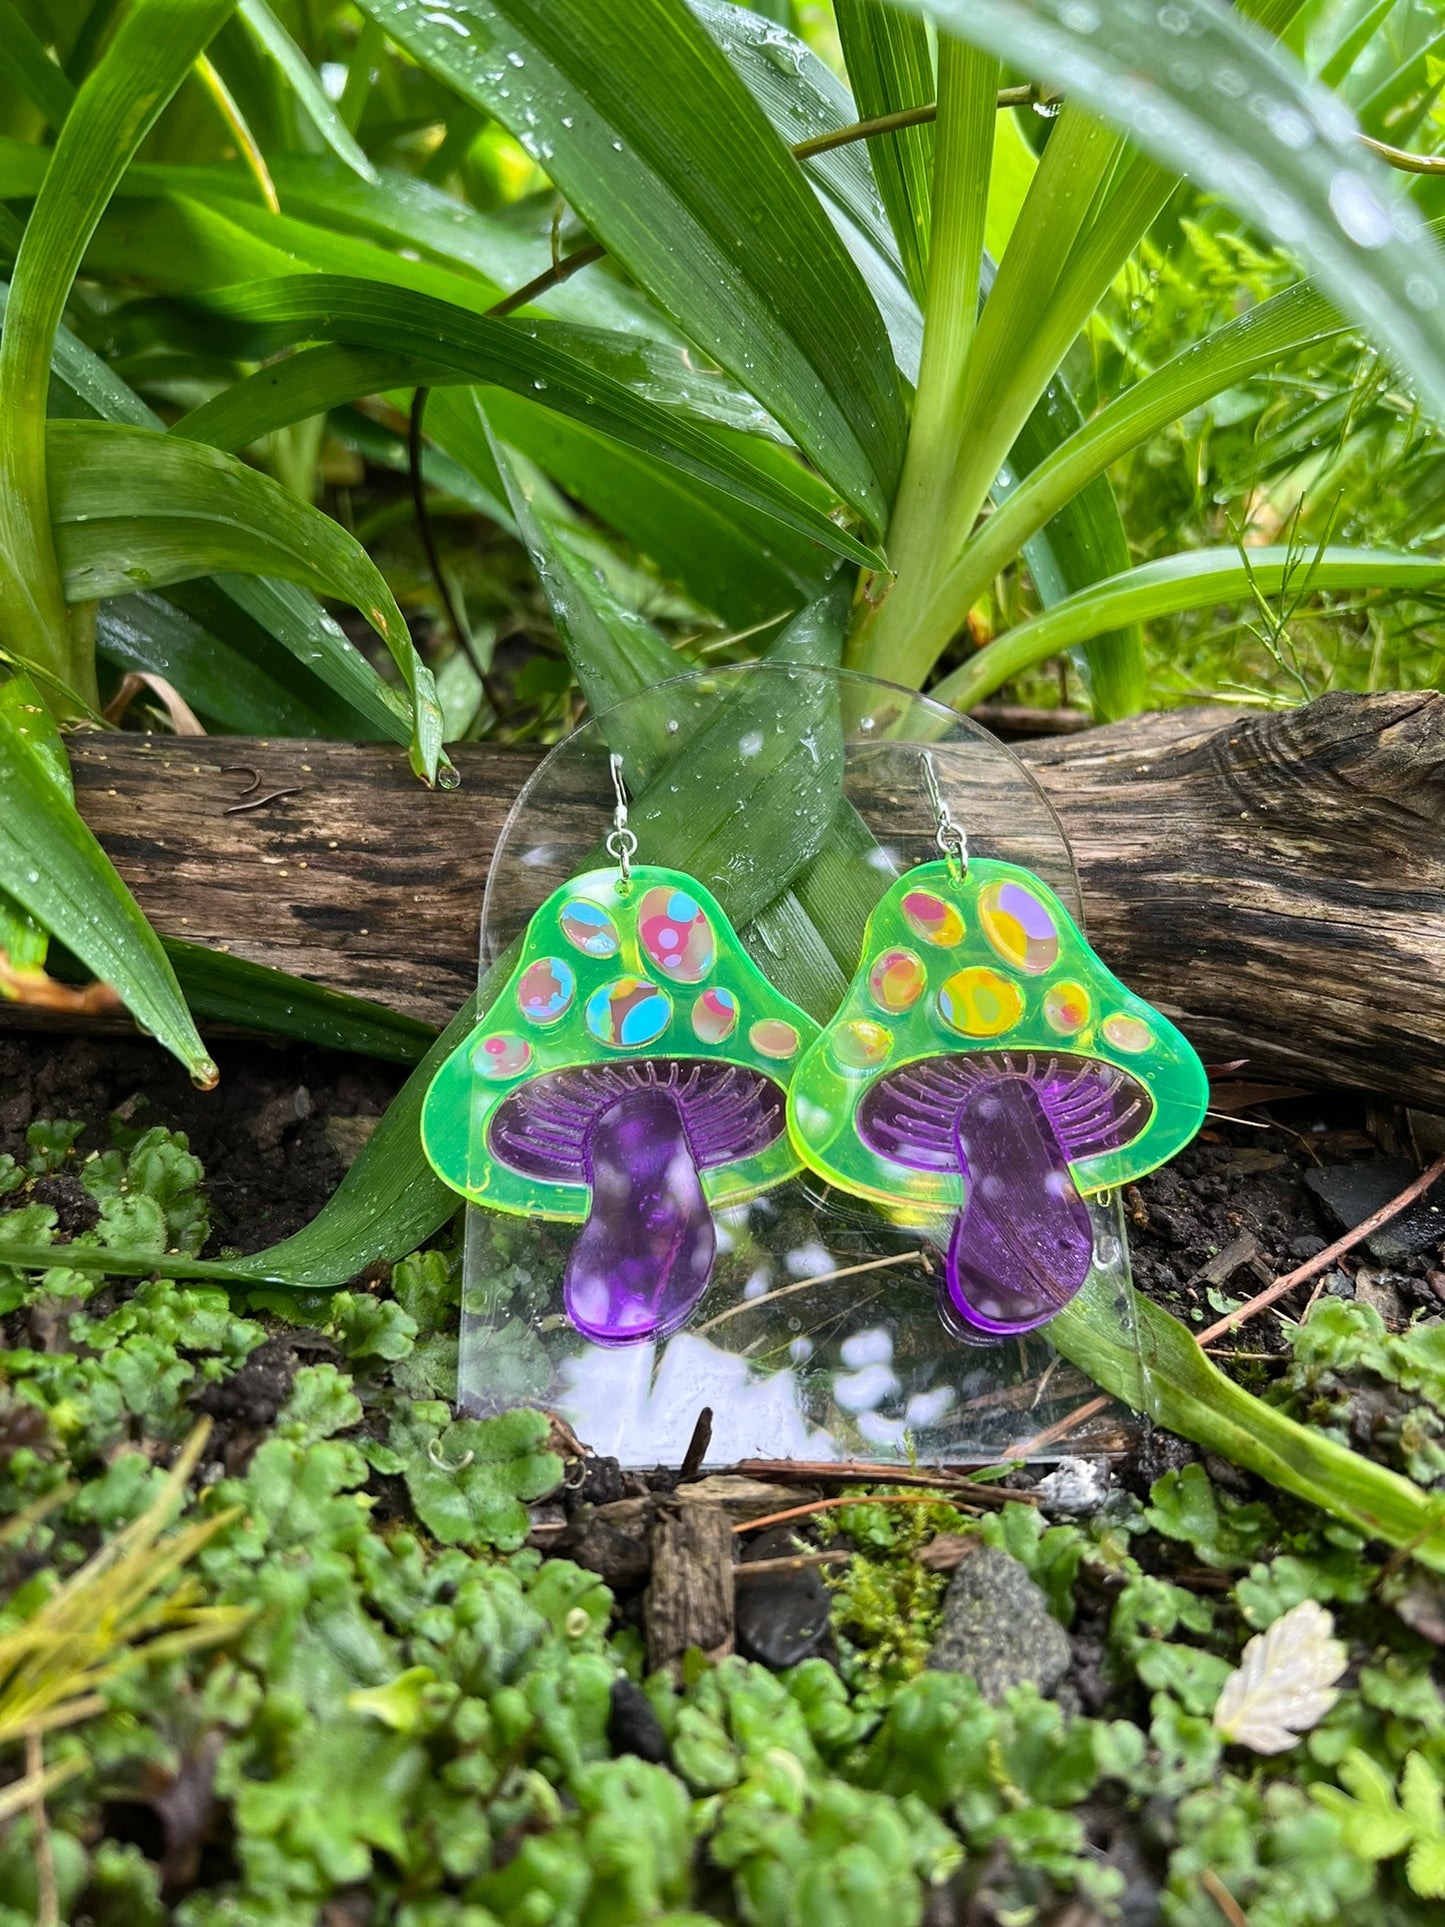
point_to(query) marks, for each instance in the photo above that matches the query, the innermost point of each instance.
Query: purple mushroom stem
(639, 1134)
(1010, 1124)
(649, 1243)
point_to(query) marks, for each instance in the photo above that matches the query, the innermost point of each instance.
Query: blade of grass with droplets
(301, 78)
(1174, 78)
(227, 989)
(1176, 583)
(746, 569)
(148, 57)
(803, 98)
(134, 509)
(640, 121)
(519, 356)
(890, 67)
(52, 866)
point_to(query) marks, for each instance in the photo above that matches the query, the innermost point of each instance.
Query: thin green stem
(963, 159)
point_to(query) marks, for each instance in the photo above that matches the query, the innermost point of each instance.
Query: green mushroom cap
(987, 967)
(620, 986)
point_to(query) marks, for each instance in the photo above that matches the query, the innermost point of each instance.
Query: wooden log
(1276, 881)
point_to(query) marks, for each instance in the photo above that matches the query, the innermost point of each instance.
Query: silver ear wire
(621, 841)
(948, 836)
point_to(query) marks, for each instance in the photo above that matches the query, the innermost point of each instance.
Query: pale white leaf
(1285, 1682)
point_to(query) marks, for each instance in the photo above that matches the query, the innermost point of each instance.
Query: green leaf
(302, 80)
(470, 1479)
(231, 990)
(1299, 318)
(520, 356)
(1172, 585)
(890, 68)
(24, 59)
(148, 57)
(643, 126)
(136, 509)
(803, 98)
(267, 657)
(52, 866)
(1174, 77)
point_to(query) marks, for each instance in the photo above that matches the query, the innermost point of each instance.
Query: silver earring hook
(948, 835)
(621, 841)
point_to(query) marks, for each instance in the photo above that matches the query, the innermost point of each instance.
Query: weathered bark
(1275, 882)
(690, 1600)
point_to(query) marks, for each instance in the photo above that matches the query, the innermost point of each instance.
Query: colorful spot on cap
(932, 918)
(1127, 1033)
(1066, 1008)
(546, 990)
(675, 934)
(773, 1038)
(978, 1002)
(897, 981)
(1018, 927)
(628, 1013)
(861, 1044)
(715, 1016)
(501, 1055)
(589, 928)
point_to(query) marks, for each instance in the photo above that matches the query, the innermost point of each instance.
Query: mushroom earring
(632, 1075)
(984, 1059)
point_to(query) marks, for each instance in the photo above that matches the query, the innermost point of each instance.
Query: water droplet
(1355, 206)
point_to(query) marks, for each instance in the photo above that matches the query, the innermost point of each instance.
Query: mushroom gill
(639, 1134)
(1011, 1123)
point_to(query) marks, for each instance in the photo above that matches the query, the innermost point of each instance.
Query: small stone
(781, 1617)
(997, 1627)
(349, 1136)
(1339, 1284)
(1301, 1249)
(1350, 1193)
(1076, 1485)
(1380, 1290)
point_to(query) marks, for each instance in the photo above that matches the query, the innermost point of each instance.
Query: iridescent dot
(897, 980)
(1066, 1008)
(773, 1038)
(1127, 1033)
(502, 1055)
(546, 990)
(715, 1016)
(675, 934)
(589, 928)
(628, 1013)
(933, 918)
(861, 1044)
(978, 1002)
(1019, 927)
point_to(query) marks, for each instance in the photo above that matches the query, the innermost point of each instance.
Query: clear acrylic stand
(819, 1337)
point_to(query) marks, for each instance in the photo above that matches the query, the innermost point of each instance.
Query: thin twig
(828, 1505)
(1223, 1899)
(804, 1284)
(761, 1568)
(47, 1896)
(1320, 1262)
(1400, 157)
(1324, 1259)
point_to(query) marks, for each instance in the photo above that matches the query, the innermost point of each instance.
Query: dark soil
(275, 1136)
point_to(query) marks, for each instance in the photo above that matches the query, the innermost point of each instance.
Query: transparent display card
(777, 809)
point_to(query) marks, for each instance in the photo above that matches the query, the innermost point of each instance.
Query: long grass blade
(1174, 584)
